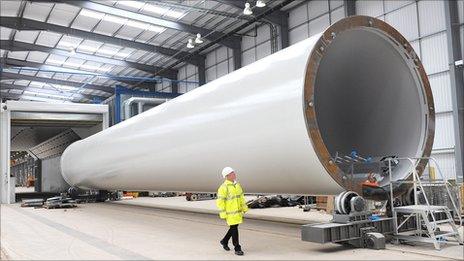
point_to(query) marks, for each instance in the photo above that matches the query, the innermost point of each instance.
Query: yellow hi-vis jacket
(231, 202)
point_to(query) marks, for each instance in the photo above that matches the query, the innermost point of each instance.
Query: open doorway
(33, 137)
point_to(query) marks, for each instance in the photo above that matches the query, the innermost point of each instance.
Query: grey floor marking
(89, 239)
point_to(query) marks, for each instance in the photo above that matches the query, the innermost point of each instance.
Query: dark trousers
(233, 232)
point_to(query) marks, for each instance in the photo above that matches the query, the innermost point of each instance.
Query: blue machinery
(119, 90)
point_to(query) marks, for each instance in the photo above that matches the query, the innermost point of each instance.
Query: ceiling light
(72, 51)
(190, 44)
(247, 10)
(134, 4)
(114, 19)
(260, 3)
(198, 39)
(92, 14)
(136, 24)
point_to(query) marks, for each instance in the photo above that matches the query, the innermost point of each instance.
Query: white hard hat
(226, 171)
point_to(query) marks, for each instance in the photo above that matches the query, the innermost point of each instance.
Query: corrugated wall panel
(441, 89)
(416, 46)
(444, 131)
(431, 17)
(298, 15)
(263, 50)
(248, 57)
(299, 33)
(369, 7)
(222, 69)
(255, 48)
(318, 25)
(405, 21)
(248, 42)
(391, 5)
(435, 53)
(337, 15)
(446, 163)
(335, 4)
(210, 74)
(218, 63)
(316, 8)
(186, 73)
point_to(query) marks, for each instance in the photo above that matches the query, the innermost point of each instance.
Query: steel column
(202, 72)
(5, 187)
(457, 81)
(350, 7)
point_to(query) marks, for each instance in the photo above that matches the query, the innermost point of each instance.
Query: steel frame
(7, 183)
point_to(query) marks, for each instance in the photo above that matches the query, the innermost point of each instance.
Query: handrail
(416, 178)
(456, 209)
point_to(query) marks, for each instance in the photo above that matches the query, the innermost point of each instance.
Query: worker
(231, 204)
(371, 181)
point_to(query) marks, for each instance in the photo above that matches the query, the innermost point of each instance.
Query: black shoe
(239, 252)
(225, 246)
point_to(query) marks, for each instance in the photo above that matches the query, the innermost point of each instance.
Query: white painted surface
(182, 145)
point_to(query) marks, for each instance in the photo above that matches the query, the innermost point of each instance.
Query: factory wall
(187, 73)
(421, 22)
(52, 180)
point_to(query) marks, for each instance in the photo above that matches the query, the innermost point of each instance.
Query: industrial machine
(288, 124)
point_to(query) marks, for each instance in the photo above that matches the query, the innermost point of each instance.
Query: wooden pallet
(325, 203)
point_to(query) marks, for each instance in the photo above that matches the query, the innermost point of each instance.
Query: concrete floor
(127, 231)
(293, 215)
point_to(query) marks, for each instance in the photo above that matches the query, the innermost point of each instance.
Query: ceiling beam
(12, 45)
(176, 25)
(15, 76)
(28, 24)
(8, 62)
(6, 86)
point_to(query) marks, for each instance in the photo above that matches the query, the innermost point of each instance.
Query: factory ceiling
(78, 51)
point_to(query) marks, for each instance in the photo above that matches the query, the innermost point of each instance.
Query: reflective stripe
(233, 197)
